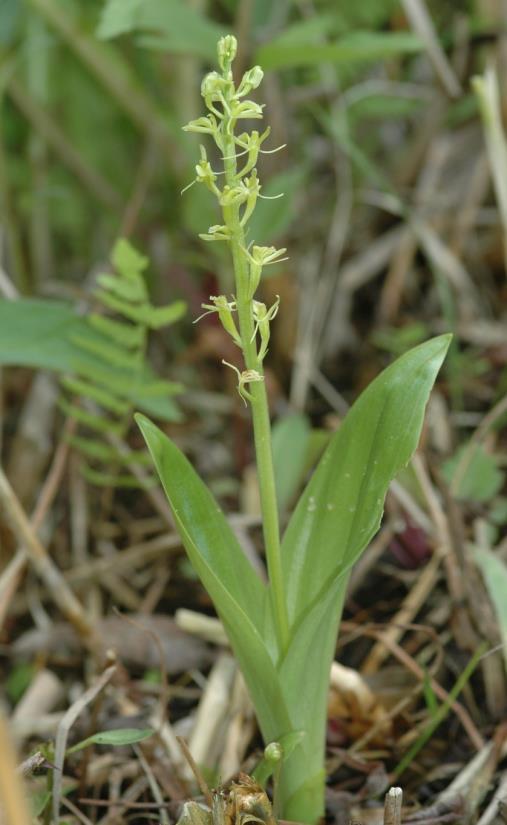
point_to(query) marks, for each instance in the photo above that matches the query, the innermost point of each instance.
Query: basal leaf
(308, 662)
(341, 507)
(233, 584)
(290, 446)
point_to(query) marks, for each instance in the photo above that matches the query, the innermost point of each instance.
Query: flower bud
(212, 86)
(251, 80)
(227, 48)
(273, 752)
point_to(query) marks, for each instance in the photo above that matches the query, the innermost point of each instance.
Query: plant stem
(259, 403)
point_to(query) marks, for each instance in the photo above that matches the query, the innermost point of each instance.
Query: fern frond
(158, 317)
(95, 422)
(91, 448)
(100, 479)
(127, 335)
(88, 390)
(109, 353)
(116, 372)
(133, 290)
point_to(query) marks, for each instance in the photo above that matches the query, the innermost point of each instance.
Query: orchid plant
(283, 631)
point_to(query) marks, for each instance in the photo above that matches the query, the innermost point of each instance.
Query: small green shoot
(114, 738)
(438, 716)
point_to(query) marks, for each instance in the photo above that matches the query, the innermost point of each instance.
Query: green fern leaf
(110, 353)
(126, 335)
(128, 260)
(94, 422)
(99, 451)
(157, 317)
(100, 479)
(133, 290)
(84, 388)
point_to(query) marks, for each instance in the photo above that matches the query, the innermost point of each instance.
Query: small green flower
(259, 257)
(216, 233)
(262, 318)
(206, 125)
(205, 174)
(225, 309)
(245, 377)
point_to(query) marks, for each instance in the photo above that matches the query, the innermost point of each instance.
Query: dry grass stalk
(13, 805)
(392, 806)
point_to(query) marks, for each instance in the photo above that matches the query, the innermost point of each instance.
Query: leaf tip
(147, 427)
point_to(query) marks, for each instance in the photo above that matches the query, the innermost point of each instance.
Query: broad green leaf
(479, 477)
(179, 28)
(308, 662)
(290, 438)
(40, 334)
(341, 508)
(229, 578)
(116, 738)
(494, 571)
(356, 47)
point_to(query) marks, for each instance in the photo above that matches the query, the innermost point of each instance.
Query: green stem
(259, 402)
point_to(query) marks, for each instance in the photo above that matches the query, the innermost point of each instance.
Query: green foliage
(355, 47)
(473, 473)
(116, 738)
(336, 517)
(290, 444)
(46, 334)
(494, 572)
(18, 680)
(179, 27)
(121, 345)
(273, 217)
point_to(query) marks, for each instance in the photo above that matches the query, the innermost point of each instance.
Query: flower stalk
(237, 199)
